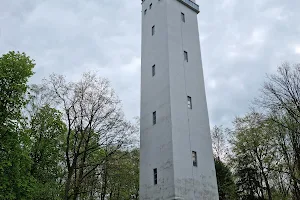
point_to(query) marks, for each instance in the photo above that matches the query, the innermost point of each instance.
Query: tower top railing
(191, 5)
(188, 3)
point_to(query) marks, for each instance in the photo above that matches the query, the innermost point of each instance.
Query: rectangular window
(153, 30)
(194, 157)
(145, 12)
(186, 58)
(153, 70)
(150, 6)
(155, 176)
(154, 117)
(183, 17)
(189, 101)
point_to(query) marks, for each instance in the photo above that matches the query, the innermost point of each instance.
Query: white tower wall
(168, 144)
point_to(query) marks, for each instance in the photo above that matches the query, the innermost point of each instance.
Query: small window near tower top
(189, 101)
(150, 6)
(145, 11)
(154, 117)
(183, 17)
(194, 158)
(153, 70)
(155, 176)
(186, 58)
(153, 30)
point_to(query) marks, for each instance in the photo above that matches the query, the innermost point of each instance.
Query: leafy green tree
(46, 131)
(254, 154)
(265, 148)
(226, 186)
(15, 179)
(123, 179)
(96, 128)
(281, 101)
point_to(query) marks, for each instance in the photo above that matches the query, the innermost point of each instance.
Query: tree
(254, 154)
(248, 184)
(46, 131)
(124, 176)
(281, 100)
(96, 128)
(226, 185)
(15, 179)
(218, 141)
(63, 140)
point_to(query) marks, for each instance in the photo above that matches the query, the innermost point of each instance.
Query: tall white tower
(176, 159)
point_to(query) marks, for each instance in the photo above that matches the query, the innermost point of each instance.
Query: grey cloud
(241, 41)
(244, 41)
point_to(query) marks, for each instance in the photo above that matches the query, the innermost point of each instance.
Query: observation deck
(192, 5)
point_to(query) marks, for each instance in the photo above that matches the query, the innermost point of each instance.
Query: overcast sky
(241, 41)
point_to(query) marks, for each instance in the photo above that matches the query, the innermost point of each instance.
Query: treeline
(63, 140)
(71, 141)
(259, 158)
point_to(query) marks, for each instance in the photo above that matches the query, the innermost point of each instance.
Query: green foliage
(15, 69)
(124, 176)
(253, 155)
(118, 178)
(46, 131)
(226, 185)
(247, 179)
(96, 131)
(15, 179)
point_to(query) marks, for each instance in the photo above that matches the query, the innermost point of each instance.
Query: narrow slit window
(194, 157)
(145, 11)
(153, 30)
(189, 102)
(153, 70)
(155, 176)
(186, 57)
(154, 117)
(150, 6)
(183, 17)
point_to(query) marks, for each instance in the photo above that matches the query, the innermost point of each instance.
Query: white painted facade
(167, 145)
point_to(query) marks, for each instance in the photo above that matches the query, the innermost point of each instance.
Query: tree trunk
(267, 186)
(67, 186)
